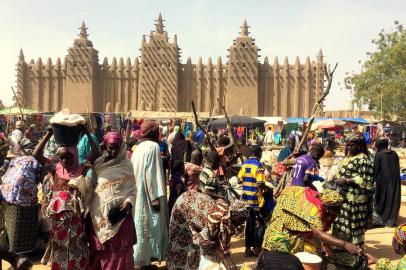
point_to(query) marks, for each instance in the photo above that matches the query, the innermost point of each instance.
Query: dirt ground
(378, 243)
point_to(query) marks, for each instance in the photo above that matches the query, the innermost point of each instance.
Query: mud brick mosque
(158, 81)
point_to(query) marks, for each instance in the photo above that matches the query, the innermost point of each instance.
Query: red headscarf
(113, 137)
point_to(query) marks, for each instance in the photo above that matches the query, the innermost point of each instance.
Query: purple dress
(117, 252)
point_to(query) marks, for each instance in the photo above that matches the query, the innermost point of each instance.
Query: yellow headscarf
(400, 234)
(331, 197)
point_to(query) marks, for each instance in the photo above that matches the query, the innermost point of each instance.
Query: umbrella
(236, 121)
(328, 123)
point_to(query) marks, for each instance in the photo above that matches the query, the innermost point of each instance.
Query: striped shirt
(252, 174)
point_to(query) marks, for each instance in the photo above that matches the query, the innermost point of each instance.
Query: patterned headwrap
(360, 140)
(354, 138)
(331, 197)
(113, 137)
(280, 242)
(400, 234)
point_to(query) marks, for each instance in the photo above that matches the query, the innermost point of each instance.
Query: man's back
(252, 174)
(303, 165)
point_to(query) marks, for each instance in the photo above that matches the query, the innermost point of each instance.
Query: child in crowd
(193, 170)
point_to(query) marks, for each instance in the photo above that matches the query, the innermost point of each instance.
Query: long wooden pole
(8, 121)
(231, 131)
(202, 129)
(18, 102)
(329, 74)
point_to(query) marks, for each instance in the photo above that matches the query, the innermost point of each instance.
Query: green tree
(381, 84)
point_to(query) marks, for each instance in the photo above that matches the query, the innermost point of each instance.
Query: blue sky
(343, 29)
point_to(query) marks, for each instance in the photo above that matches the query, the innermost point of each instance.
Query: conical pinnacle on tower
(244, 29)
(320, 56)
(21, 56)
(159, 24)
(83, 31)
(58, 62)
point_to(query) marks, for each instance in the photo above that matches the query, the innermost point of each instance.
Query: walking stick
(18, 102)
(202, 129)
(231, 131)
(329, 74)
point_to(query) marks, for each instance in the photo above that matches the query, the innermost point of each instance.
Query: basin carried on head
(67, 128)
(309, 261)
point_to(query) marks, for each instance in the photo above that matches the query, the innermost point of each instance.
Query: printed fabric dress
(356, 209)
(69, 247)
(290, 229)
(64, 208)
(19, 192)
(199, 226)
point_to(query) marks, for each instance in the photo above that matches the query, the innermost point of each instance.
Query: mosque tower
(158, 81)
(243, 74)
(80, 92)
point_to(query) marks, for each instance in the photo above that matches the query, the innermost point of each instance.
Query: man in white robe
(151, 207)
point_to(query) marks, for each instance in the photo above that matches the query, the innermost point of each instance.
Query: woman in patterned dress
(200, 230)
(356, 184)
(19, 192)
(110, 224)
(300, 221)
(68, 246)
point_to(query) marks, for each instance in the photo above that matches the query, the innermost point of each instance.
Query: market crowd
(152, 194)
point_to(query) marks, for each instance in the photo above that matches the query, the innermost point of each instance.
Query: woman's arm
(333, 241)
(39, 149)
